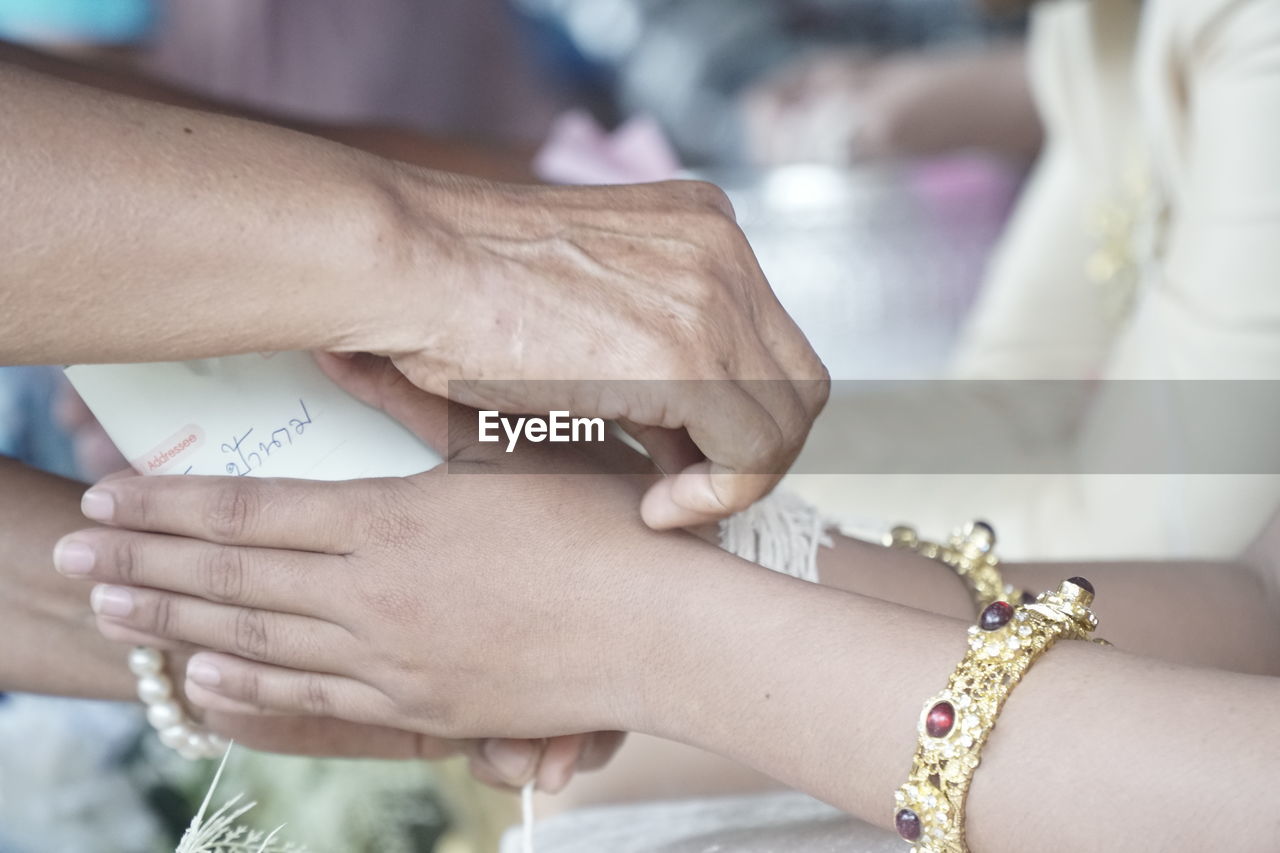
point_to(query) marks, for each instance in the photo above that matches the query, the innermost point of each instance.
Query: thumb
(376, 382)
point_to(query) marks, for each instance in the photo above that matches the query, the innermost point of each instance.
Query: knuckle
(249, 688)
(313, 696)
(766, 443)
(712, 312)
(390, 525)
(720, 236)
(231, 511)
(128, 558)
(164, 616)
(708, 292)
(707, 194)
(823, 382)
(133, 504)
(821, 390)
(222, 575)
(250, 634)
(430, 705)
(443, 718)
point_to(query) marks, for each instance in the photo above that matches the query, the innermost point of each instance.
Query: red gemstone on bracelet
(908, 824)
(1083, 584)
(940, 719)
(996, 615)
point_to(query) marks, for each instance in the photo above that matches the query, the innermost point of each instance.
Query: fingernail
(513, 759)
(98, 505)
(73, 558)
(660, 511)
(553, 780)
(203, 673)
(700, 495)
(111, 601)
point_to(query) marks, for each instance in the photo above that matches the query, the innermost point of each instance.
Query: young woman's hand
(464, 602)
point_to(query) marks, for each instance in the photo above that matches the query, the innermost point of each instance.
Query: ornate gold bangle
(929, 810)
(970, 553)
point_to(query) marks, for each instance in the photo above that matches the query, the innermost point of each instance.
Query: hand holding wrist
(510, 286)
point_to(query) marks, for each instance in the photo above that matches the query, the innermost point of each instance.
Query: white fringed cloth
(781, 532)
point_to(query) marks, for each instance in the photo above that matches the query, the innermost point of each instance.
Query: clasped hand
(460, 603)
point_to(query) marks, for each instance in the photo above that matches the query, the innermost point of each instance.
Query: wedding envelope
(268, 415)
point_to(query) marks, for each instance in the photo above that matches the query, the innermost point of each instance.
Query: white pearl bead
(175, 736)
(154, 688)
(189, 753)
(162, 715)
(145, 661)
(197, 744)
(218, 744)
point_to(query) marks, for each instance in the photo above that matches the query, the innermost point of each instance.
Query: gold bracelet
(970, 553)
(929, 810)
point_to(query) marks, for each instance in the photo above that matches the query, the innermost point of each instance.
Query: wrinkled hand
(624, 283)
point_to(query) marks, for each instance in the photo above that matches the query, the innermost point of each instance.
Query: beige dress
(1146, 246)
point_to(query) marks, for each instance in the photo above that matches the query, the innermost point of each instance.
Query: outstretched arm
(470, 157)
(492, 623)
(150, 232)
(1169, 611)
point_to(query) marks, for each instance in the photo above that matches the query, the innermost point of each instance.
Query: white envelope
(270, 415)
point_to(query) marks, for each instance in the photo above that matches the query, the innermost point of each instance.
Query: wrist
(699, 603)
(419, 278)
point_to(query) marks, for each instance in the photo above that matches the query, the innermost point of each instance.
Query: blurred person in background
(845, 106)
(780, 80)
(1139, 248)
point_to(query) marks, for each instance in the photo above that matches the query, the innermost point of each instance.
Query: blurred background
(873, 150)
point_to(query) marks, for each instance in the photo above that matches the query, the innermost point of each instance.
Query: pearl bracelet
(165, 714)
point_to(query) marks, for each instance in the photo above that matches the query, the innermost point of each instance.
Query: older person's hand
(241, 237)
(652, 282)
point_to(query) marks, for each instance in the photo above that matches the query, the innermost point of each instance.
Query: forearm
(50, 642)
(471, 157)
(822, 690)
(146, 232)
(1170, 611)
